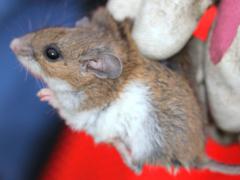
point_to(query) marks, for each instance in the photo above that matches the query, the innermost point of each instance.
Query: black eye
(52, 52)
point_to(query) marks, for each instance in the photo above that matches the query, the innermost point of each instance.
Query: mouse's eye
(52, 53)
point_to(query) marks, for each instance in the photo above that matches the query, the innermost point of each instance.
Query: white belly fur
(127, 118)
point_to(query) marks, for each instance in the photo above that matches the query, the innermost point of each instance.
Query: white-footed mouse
(101, 84)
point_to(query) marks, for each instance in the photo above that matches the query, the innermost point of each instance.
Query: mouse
(101, 84)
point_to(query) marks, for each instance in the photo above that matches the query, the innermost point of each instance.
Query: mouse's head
(74, 56)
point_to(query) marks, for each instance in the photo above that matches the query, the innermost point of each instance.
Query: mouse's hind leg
(125, 153)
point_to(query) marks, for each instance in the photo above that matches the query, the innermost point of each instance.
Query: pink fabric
(228, 20)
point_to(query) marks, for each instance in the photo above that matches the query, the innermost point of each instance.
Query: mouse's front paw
(47, 95)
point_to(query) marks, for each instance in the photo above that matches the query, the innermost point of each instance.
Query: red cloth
(76, 157)
(205, 24)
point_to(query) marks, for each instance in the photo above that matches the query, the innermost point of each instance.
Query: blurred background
(34, 143)
(28, 128)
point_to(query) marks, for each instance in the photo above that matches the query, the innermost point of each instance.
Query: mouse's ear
(104, 19)
(82, 22)
(103, 66)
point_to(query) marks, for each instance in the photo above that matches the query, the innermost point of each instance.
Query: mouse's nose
(21, 46)
(15, 45)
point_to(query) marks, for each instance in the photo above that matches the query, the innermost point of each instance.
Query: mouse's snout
(22, 46)
(15, 45)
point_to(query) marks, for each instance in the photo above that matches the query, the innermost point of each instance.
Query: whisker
(20, 27)
(26, 74)
(20, 67)
(42, 83)
(46, 19)
(51, 112)
(65, 5)
(38, 83)
(30, 27)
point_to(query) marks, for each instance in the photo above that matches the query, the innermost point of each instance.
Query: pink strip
(228, 20)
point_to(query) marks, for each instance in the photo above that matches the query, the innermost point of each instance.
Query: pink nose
(15, 45)
(21, 47)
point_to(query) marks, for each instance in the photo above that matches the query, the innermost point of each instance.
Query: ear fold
(103, 66)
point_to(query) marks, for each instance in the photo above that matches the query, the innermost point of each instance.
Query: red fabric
(205, 24)
(76, 157)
